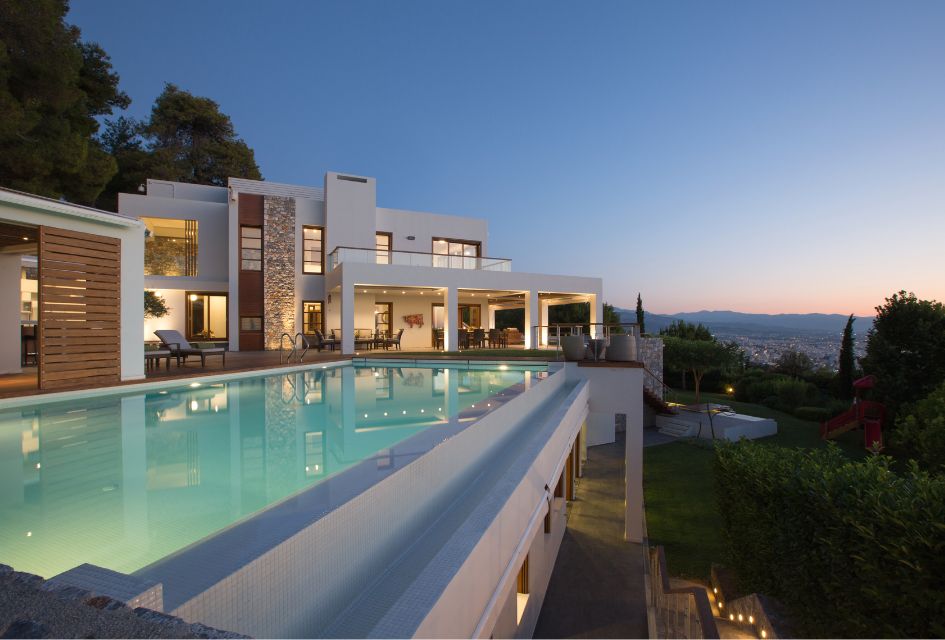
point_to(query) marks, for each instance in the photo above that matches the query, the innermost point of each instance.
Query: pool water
(123, 480)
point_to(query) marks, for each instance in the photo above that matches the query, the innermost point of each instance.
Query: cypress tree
(640, 315)
(845, 375)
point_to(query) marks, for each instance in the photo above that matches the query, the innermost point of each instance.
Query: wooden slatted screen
(79, 335)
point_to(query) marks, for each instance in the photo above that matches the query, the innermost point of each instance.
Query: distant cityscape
(823, 349)
(764, 337)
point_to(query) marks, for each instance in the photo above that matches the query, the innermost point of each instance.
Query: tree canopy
(794, 363)
(687, 331)
(698, 356)
(186, 139)
(905, 349)
(53, 86)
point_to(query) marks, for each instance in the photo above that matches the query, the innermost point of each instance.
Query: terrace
(416, 259)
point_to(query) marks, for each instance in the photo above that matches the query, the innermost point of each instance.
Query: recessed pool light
(29, 534)
(307, 401)
(385, 413)
(365, 415)
(503, 367)
(439, 408)
(194, 385)
(38, 465)
(163, 393)
(404, 412)
(421, 410)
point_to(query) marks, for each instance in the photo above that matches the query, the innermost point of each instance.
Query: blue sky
(755, 156)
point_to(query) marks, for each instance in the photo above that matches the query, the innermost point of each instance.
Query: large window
(456, 254)
(206, 316)
(382, 246)
(312, 318)
(170, 247)
(313, 250)
(250, 248)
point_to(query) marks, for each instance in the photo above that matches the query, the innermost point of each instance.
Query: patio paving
(596, 588)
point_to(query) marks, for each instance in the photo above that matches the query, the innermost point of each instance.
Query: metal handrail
(664, 387)
(282, 347)
(305, 344)
(680, 612)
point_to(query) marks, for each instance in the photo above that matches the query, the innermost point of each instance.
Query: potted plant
(573, 347)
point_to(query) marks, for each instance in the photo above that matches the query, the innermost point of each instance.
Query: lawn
(679, 488)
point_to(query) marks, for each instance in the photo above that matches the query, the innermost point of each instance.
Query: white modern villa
(247, 263)
(347, 495)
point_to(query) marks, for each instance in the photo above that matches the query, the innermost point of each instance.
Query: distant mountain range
(734, 322)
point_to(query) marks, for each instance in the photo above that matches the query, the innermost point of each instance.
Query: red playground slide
(867, 414)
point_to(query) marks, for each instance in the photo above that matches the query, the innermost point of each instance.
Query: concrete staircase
(668, 425)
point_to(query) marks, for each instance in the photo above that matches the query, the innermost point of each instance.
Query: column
(491, 317)
(531, 319)
(347, 318)
(597, 315)
(451, 319)
(543, 320)
(634, 463)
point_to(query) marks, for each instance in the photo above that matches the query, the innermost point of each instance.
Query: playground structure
(867, 414)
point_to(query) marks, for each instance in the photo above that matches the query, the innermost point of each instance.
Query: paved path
(596, 588)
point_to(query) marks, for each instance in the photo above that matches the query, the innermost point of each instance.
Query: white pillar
(451, 320)
(543, 320)
(347, 319)
(597, 315)
(531, 319)
(491, 317)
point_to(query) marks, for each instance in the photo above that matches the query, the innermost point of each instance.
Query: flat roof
(42, 203)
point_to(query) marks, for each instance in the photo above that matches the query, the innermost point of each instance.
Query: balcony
(415, 259)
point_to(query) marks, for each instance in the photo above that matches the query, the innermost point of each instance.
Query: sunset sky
(753, 156)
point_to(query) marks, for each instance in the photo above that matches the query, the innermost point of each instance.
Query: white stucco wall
(10, 344)
(426, 226)
(212, 245)
(350, 211)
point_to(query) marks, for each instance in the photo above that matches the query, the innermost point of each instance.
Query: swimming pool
(126, 479)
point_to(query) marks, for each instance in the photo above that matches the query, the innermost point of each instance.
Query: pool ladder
(298, 347)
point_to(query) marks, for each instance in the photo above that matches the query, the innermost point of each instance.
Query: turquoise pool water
(123, 480)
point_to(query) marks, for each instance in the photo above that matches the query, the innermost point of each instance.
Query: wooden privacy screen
(79, 309)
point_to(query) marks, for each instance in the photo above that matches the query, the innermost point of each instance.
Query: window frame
(188, 316)
(321, 313)
(389, 250)
(321, 263)
(261, 249)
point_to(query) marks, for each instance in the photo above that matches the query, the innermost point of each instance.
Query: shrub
(813, 414)
(920, 431)
(851, 548)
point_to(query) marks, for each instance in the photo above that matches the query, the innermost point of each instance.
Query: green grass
(679, 487)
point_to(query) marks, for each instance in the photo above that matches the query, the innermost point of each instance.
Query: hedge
(853, 549)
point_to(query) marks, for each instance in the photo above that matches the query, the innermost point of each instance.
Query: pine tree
(845, 375)
(641, 317)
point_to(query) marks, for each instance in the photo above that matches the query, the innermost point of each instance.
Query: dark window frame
(390, 246)
(261, 249)
(321, 263)
(188, 328)
(321, 313)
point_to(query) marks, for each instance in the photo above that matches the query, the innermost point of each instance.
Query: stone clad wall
(278, 269)
(651, 355)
